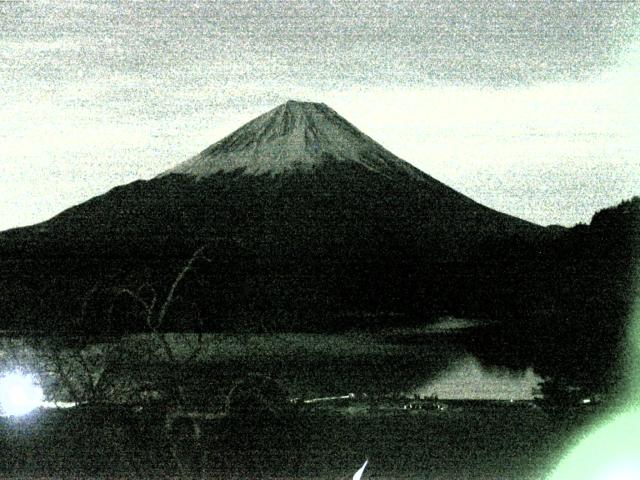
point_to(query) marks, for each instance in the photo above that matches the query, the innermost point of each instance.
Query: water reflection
(467, 379)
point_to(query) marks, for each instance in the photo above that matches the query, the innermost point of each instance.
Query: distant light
(19, 394)
(586, 400)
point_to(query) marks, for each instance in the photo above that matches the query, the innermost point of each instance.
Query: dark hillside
(310, 224)
(572, 310)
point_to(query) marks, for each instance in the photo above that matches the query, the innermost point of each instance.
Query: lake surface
(500, 441)
(425, 361)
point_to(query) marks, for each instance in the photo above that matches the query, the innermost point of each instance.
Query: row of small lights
(20, 394)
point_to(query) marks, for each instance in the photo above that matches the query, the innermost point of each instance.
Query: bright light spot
(586, 400)
(610, 452)
(19, 394)
(358, 474)
(624, 471)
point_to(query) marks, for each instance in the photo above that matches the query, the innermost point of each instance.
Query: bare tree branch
(85, 302)
(198, 254)
(132, 295)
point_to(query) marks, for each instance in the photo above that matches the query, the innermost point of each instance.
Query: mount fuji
(304, 218)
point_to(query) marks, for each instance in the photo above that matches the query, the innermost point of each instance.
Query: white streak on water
(358, 474)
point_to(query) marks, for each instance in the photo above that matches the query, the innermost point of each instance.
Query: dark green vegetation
(473, 443)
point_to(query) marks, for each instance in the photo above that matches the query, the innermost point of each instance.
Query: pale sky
(531, 108)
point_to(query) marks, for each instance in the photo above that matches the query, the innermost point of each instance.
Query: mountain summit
(295, 136)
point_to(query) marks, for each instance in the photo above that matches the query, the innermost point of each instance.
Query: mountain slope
(305, 218)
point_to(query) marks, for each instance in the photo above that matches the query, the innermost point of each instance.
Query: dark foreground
(489, 442)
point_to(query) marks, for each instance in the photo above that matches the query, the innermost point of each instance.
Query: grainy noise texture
(317, 239)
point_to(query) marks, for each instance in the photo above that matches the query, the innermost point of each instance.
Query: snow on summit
(295, 136)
